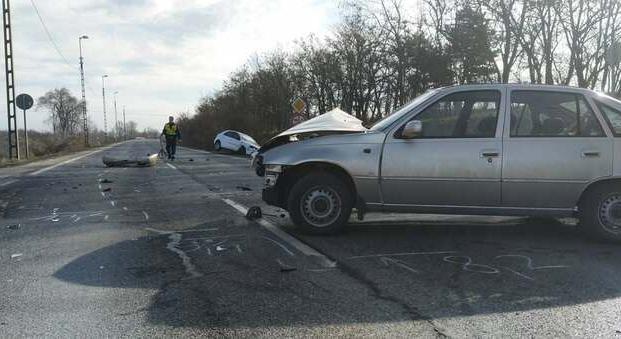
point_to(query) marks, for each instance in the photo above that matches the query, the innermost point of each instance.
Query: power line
(49, 35)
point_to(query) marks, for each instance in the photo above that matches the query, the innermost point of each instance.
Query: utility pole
(124, 128)
(116, 120)
(103, 95)
(10, 81)
(83, 91)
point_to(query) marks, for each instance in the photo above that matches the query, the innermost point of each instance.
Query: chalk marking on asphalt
(124, 208)
(400, 254)
(43, 170)
(146, 215)
(113, 203)
(100, 186)
(300, 246)
(155, 230)
(103, 194)
(175, 239)
(238, 248)
(8, 183)
(106, 217)
(171, 166)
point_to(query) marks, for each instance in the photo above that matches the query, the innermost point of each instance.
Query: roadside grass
(41, 146)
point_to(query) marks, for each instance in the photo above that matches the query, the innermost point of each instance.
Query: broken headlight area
(272, 172)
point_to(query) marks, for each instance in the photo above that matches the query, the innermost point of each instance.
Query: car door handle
(590, 154)
(489, 154)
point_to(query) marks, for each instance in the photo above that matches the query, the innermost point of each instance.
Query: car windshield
(398, 113)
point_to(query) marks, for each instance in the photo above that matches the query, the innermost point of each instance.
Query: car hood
(333, 122)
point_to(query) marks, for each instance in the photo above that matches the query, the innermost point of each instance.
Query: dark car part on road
(254, 212)
(320, 203)
(14, 227)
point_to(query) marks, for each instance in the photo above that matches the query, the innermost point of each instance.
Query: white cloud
(161, 55)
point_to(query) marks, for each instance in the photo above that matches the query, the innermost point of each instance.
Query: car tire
(242, 150)
(320, 203)
(600, 213)
(217, 146)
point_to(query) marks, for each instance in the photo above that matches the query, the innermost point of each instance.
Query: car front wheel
(217, 146)
(600, 213)
(320, 203)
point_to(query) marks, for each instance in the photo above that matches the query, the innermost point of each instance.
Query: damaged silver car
(515, 150)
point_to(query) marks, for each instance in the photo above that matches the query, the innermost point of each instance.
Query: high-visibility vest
(170, 129)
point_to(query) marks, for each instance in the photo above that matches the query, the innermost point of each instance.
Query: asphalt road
(89, 251)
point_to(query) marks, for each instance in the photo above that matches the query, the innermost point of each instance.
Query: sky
(161, 56)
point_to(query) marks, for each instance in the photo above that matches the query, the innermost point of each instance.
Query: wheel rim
(320, 206)
(610, 213)
(217, 145)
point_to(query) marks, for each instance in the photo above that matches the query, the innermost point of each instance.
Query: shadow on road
(386, 273)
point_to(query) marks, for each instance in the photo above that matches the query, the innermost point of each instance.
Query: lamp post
(124, 128)
(103, 95)
(116, 119)
(83, 91)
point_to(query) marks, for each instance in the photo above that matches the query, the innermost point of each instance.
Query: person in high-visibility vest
(172, 135)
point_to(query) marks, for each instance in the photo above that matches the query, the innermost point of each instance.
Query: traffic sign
(24, 101)
(298, 106)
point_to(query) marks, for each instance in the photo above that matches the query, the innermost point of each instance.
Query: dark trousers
(171, 147)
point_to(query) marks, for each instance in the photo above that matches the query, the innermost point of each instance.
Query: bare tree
(64, 110)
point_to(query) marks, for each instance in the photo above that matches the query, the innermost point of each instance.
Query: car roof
(517, 86)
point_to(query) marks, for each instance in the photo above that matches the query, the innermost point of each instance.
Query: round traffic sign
(24, 101)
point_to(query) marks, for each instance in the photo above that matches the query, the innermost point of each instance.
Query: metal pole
(103, 95)
(26, 135)
(116, 120)
(124, 128)
(84, 117)
(10, 82)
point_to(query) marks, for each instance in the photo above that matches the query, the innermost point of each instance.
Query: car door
(456, 161)
(229, 140)
(554, 146)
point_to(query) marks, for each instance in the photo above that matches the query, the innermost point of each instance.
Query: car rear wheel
(600, 213)
(320, 203)
(217, 146)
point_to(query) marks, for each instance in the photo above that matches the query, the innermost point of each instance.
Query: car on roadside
(236, 142)
(497, 149)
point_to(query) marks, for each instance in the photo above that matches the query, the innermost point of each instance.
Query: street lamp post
(124, 128)
(116, 120)
(103, 95)
(83, 91)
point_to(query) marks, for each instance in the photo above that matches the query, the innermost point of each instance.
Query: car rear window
(612, 115)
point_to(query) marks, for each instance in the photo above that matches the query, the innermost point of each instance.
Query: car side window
(233, 135)
(471, 114)
(552, 114)
(612, 115)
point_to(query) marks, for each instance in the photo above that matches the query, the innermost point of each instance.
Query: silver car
(479, 149)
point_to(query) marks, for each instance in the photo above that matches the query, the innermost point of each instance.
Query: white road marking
(43, 170)
(106, 217)
(124, 208)
(297, 244)
(171, 166)
(146, 215)
(113, 203)
(103, 194)
(6, 183)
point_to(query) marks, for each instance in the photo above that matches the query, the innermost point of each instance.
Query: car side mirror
(412, 129)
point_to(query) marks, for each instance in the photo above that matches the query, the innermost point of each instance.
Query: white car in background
(236, 142)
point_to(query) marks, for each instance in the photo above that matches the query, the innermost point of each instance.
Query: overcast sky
(162, 56)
